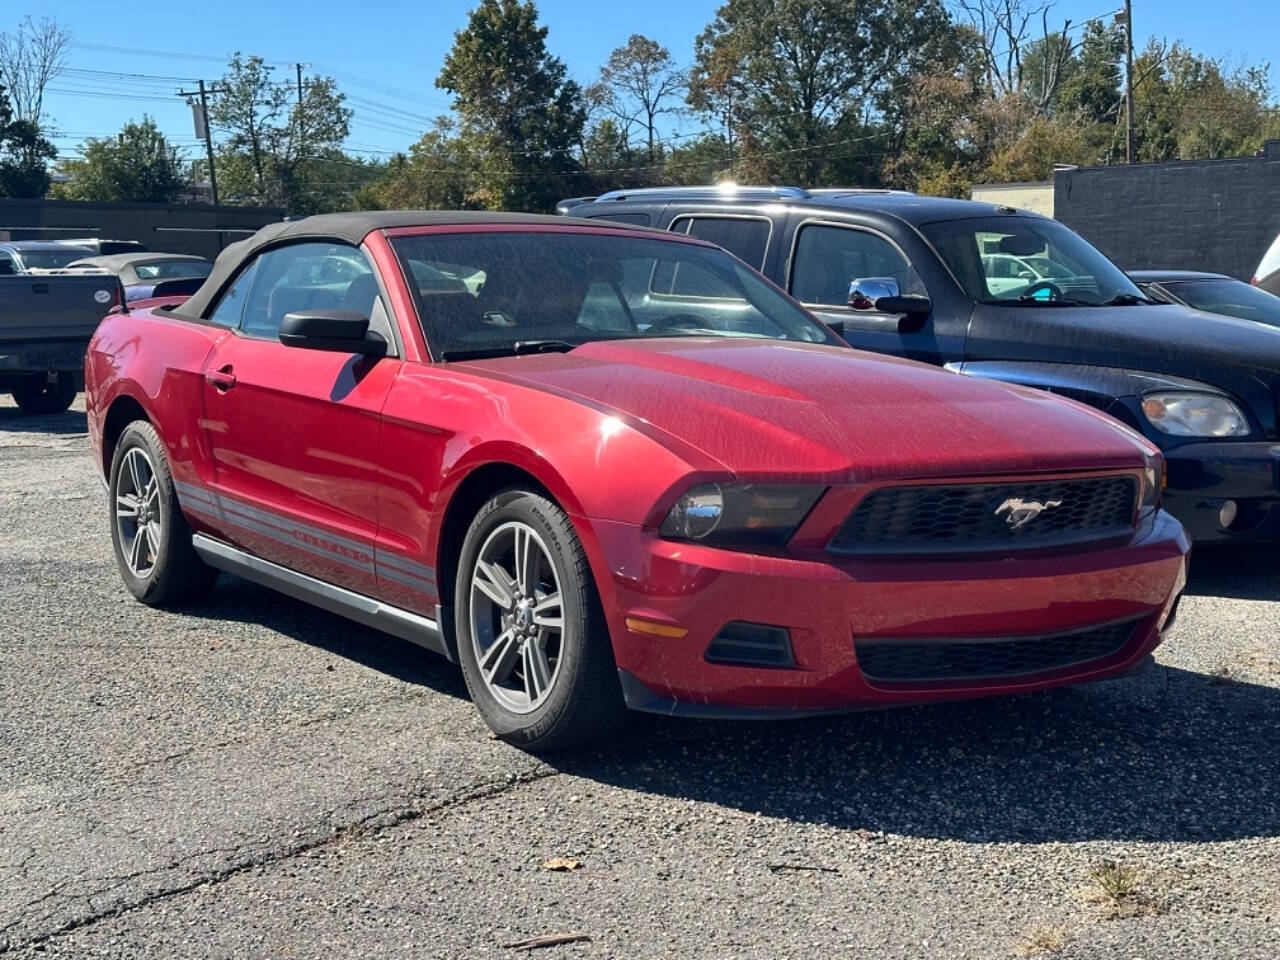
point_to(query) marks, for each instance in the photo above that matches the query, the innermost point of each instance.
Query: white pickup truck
(45, 325)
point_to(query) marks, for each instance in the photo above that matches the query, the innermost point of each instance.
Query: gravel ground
(251, 777)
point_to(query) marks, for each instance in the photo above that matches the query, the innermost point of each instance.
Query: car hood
(1239, 356)
(768, 408)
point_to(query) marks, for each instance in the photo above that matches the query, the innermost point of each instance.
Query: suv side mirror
(865, 291)
(339, 331)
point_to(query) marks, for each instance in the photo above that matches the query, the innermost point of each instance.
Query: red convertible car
(603, 467)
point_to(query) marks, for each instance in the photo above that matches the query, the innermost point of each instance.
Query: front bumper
(1203, 477)
(828, 606)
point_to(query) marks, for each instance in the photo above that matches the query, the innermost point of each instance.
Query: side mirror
(913, 310)
(836, 327)
(865, 291)
(339, 331)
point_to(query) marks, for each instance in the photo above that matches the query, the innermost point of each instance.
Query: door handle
(221, 379)
(40, 288)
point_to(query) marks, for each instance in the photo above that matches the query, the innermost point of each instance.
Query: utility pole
(1128, 81)
(299, 67)
(203, 92)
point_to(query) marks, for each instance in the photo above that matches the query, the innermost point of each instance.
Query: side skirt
(369, 611)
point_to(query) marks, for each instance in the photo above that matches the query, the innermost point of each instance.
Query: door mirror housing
(912, 309)
(865, 291)
(836, 327)
(338, 331)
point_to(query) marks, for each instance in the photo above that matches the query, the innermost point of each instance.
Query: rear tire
(532, 637)
(150, 535)
(39, 397)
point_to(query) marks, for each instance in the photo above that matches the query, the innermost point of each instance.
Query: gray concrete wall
(199, 229)
(1218, 215)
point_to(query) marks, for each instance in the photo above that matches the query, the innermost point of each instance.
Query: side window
(827, 258)
(6, 267)
(231, 306)
(307, 276)
(746, 238)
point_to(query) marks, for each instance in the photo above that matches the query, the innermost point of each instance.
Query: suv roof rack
(846, 191)
(726, 191)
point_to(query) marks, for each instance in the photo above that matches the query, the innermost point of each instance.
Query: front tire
(532, 637)
(150, 535)
(38, 396)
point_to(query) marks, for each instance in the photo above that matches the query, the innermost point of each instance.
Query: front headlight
(1194, 415)
(1153, 480)
(747, 514)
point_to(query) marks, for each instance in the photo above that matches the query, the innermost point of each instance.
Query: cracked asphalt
(251, 777)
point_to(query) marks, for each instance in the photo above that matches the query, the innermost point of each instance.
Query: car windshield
(50, 259)
(1028, 260)
(1230, 297)
(488, 293)
(172, 269)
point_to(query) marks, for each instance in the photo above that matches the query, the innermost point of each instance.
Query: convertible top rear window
(496, 292)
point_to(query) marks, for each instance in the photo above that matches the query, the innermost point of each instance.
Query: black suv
(1014, 296)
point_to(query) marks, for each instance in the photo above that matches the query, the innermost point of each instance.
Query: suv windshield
(50, 259)
(1028, 260)
(486, 294)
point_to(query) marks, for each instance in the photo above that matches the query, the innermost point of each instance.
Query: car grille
(914, 661)
(974, 517)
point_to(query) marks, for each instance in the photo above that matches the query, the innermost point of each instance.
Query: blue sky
(386, 53)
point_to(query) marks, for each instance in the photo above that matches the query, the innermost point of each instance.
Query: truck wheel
(39, 396)
(532, 636)
(151, 538)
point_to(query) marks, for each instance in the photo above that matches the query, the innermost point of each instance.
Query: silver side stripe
(405, 566)
(305, 537)
(413, 583)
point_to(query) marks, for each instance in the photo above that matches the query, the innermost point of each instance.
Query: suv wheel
(151, 538)
(532, 637)
(40, 396)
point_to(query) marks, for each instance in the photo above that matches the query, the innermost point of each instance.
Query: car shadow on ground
(13, 420)
(1168, 755)
(1239, 571)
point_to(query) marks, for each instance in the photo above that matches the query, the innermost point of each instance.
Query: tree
(432, 176)
(796, 72)
(24, 154)
(272, 142)
(519, 112)
(136, 165)
(30, 58)
(639, 83)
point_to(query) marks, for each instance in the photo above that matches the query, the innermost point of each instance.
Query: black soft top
(351, 228)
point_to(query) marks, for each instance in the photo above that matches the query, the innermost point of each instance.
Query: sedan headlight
(748, 514)
(1194, 415)
(1153, 480)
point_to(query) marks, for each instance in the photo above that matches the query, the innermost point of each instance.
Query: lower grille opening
(751, 645)
(985, 658)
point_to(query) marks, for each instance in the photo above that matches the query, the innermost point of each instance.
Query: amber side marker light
(655, 629)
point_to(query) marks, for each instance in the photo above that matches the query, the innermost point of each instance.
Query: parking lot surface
(252, 777)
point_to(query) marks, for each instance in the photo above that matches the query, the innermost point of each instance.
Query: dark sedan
(1210, 292)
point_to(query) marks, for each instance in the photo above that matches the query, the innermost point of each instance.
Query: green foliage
(24, 155)
(520, 114)
(432, 176)
(277, 150)
(138, 165)
(795, 78)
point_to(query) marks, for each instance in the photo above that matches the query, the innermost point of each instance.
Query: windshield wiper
(1126, 300)
(1057, 302)
(510, 349)
(543, 346)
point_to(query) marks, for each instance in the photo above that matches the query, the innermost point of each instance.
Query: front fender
(1116, 391)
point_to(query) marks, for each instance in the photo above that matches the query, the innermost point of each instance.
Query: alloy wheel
(138, 520)
(517, 618)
